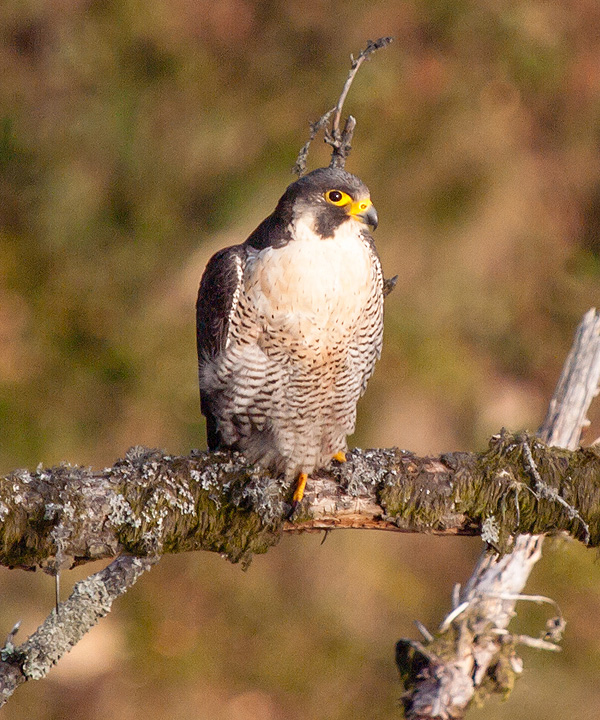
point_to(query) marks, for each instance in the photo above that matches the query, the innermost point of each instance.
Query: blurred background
(137, 138)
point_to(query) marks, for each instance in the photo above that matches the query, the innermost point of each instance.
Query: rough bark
(473, 654)
(151, 503)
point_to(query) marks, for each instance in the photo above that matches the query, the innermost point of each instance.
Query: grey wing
(368, 339)
(218, 295)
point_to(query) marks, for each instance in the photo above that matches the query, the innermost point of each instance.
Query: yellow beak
(364, 210)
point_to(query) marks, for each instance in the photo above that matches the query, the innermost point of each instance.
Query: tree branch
(473, 655)
(151, 503)
(90, 600)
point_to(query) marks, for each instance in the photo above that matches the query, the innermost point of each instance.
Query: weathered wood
(473, 655)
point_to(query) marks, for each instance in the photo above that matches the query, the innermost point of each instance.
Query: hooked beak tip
(368, 215)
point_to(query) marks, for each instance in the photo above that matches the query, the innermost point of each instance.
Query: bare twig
(315, 128)
(537, 643)
(365, 54)
(545, 491)
(423, 630)
(339, 141)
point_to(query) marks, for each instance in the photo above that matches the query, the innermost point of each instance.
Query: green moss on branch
(151, 503)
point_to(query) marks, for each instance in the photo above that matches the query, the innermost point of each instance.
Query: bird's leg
(300, 486)
(340, 456)
(298, 493)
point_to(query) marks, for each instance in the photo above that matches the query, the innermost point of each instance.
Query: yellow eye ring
(337, 197)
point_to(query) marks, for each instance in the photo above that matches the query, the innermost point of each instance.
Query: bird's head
(326, 198)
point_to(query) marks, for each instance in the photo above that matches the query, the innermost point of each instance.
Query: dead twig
(339, 141)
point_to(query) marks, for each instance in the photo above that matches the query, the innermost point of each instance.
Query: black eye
(335, 196)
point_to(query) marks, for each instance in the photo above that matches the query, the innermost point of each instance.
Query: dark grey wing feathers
(217, 297)
(273, 232)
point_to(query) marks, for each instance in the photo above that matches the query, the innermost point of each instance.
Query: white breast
(312, 288)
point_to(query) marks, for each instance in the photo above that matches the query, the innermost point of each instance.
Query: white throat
(312, 284)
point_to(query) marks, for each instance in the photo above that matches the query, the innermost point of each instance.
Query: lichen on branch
(151, 503)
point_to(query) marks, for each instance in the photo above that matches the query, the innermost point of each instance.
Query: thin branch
(339, 141)
(315, 128)
(90, 600)
(542, 490)
(365, 54)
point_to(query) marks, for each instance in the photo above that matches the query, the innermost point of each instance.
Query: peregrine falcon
(289, 327)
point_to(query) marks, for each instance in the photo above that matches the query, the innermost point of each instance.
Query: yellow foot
(301, 485)
(340, 456)
(298, 494)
